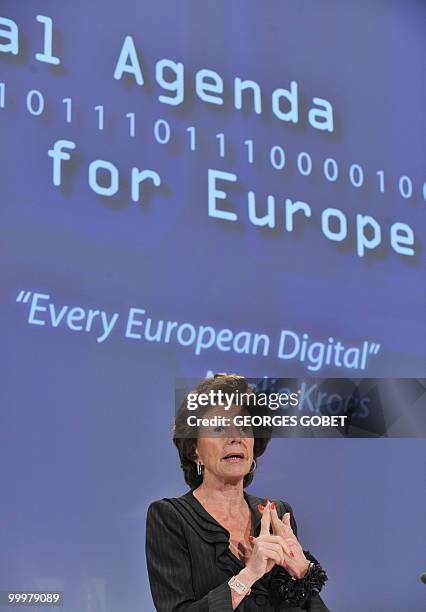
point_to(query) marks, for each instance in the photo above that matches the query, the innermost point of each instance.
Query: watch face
(236, 585)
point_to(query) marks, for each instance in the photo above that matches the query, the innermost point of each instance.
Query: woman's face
(226, 451)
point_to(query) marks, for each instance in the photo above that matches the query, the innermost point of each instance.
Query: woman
(218, 548)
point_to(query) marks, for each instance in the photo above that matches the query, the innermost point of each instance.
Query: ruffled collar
(212, 532)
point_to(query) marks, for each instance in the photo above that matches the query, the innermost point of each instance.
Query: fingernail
(261, 508)
(251, 538)
(273, 506)
(268, 502)
(292, 554)
(284, 562)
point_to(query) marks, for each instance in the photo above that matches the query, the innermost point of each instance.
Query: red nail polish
(268, 502)
(273, 506)
(251, 538)
(261, 508)
(292, 554)
(284, 562)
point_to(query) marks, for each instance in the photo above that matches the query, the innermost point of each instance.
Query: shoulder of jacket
(162, 507)
(284, 505)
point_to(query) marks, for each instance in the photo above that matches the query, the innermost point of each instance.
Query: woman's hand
(296, 563)
(281, 548)
(267, 549)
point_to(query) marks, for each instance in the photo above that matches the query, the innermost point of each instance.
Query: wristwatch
(239, 587)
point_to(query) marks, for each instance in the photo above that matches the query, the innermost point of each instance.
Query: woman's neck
(228, 498)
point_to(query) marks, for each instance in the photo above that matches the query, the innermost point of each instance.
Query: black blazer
(190, 562)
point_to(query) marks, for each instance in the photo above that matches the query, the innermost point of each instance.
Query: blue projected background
(191, 187)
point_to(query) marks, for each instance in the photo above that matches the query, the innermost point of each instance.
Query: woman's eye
(218, 428)
(245, 428)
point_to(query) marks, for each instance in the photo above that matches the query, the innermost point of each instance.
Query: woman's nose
(234, 433)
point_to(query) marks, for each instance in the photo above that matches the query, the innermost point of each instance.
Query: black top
(190, 562)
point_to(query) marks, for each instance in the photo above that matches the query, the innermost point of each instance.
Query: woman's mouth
(233, 457)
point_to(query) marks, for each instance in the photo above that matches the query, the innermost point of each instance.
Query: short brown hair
(228, 383)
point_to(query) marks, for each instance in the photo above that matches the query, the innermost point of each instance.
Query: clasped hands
(281, 547)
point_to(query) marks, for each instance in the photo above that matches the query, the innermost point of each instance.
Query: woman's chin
(234, 471)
